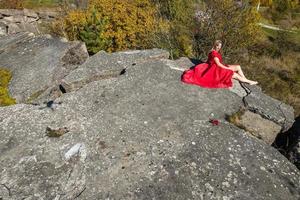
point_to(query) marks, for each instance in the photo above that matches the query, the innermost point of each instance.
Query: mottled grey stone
(270, 108)
(41, 62)
(45, 13)
(260, 127)
(10, 12)
(27, 20)
(3, 29)
(142, 135)
(15, 19)
(13, 28)
(104, 65)
(30, 13)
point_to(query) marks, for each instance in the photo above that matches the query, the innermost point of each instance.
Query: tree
(180, 16)
(93, 34)
(236, 26)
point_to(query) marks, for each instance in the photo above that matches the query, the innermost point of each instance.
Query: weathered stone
(103, 65)
(260, 127)
(76, 55)
(26, 20)
(41, 62)
(29, 27)
(180, 64)
(30, 19)
(47, 14)
(3, 28)
(129, 129)
(270, 108)
(142, 135)
(11, 12)
(15, 19)
(13, 28)
(30, 13)
(185, 63)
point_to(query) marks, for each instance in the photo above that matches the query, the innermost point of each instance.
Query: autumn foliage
(112, 25)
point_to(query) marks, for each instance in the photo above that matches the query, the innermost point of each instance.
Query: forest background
(263, 36)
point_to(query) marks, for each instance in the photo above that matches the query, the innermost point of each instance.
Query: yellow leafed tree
(111, 25)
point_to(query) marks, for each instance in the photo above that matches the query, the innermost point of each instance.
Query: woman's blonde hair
(216, 43)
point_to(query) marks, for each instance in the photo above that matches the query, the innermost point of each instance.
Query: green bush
(93, 34)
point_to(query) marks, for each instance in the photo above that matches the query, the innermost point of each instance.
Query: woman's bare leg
(238, 69)
(243, 79)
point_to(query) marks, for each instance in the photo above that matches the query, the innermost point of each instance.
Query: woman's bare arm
(216, 59)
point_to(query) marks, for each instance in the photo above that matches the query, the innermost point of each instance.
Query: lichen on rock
(5, 77)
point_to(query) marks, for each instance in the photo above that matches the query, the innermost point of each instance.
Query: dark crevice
(286, 143)
(248, 92)
(50, 104)
(62, 89)
(8, 189)
(255, 110)
(80, 193)
(76, 85)
(123, 71)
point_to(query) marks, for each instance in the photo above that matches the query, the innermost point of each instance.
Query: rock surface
(139, 134)
(16, 21)
(37, 62)
(260, 127)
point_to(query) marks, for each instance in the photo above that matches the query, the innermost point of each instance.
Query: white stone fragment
(78, 148)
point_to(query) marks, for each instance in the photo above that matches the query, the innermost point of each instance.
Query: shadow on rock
(195, 62)
(288, 143)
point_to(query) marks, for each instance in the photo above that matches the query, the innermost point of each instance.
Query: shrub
(111, 25)
(179, 38)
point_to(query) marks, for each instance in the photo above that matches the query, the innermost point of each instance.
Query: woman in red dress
(213, 73)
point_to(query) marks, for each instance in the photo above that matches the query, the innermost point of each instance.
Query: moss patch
(5, 99)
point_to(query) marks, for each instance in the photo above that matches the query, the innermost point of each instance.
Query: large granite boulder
(38, 62)
(139, 134)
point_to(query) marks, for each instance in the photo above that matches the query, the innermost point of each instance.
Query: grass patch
(35, 95)
(279, 77)
(56, 132)
(5, 99)
(235, 118)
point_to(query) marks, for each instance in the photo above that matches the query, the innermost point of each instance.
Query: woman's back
(211, 55)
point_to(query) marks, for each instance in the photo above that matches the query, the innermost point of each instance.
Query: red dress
(209, 74)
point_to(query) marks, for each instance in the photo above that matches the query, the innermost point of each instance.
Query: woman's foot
(253, 82)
